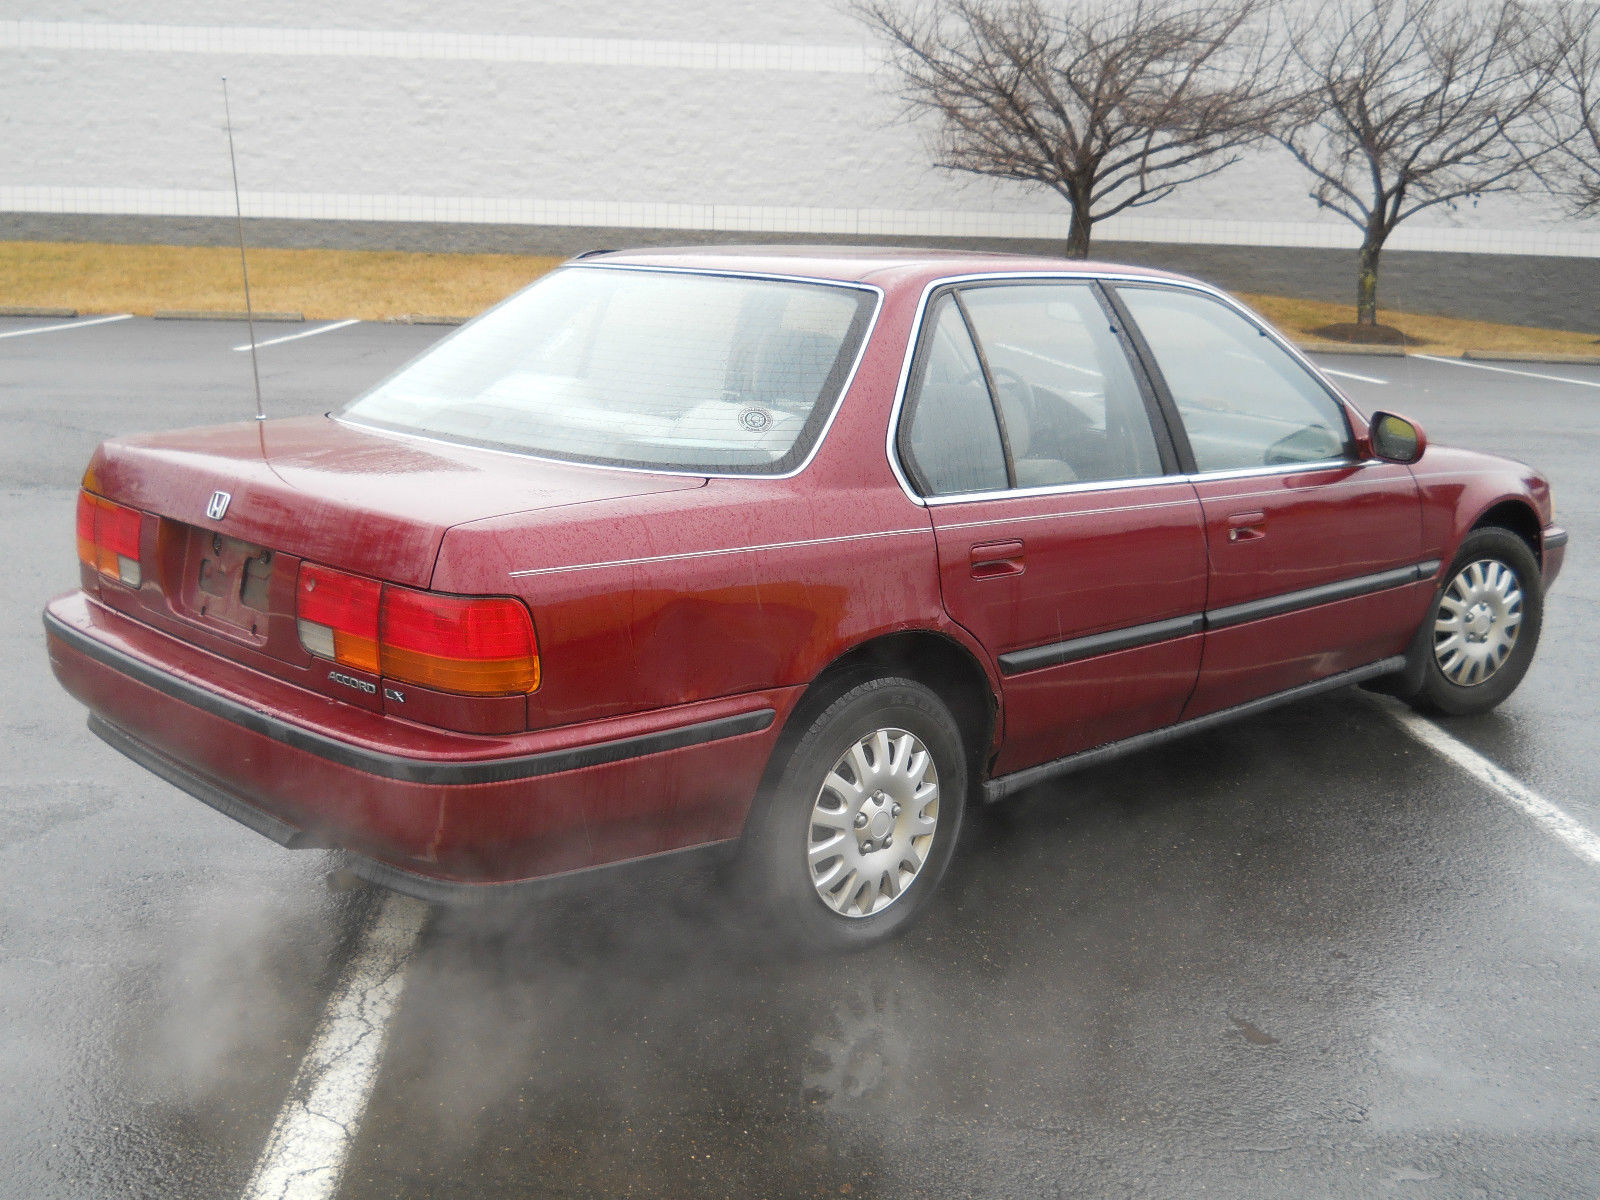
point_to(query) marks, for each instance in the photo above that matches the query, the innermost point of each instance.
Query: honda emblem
(218, 507)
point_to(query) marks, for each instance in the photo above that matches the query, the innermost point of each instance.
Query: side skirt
(1009, 785)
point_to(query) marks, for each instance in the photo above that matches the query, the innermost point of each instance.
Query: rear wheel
(849, 846)
(1478, 639)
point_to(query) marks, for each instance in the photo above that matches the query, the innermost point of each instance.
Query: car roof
(881, 265)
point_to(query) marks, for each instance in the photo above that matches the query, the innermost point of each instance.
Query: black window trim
(1107, 279)
(1168, 449)
(989, 385)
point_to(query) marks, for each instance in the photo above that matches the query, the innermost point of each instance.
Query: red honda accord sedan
(795, 551)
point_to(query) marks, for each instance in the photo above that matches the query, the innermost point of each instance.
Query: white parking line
(308, 333)
(305, 1153)
(67, 325)
(1456, 362)
(1351, 375)
(1551, 818)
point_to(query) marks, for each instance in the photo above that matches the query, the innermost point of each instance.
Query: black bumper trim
(397, 879)
(462, 894)
(201, 788)
(399, 767)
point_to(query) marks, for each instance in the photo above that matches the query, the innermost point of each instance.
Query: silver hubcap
(873, 823)
(1480, 615)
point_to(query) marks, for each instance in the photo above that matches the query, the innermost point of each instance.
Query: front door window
(1245, 402)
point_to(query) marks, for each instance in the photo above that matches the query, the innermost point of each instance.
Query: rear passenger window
(1244, 400)
(950, 440)
(1072, 410)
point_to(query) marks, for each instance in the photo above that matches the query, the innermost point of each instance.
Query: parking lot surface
(1305, 955)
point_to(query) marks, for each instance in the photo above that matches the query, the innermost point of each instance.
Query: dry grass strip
(323, 284)
(379, 285)
(1438, 335)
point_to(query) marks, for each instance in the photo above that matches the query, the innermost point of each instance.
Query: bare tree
(1110, 103)
(1569, 121)
(1409, 104)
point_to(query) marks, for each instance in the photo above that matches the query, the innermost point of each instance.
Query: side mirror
(1396, 439)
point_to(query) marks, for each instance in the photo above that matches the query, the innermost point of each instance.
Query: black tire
(1465, 695)
(775, 862)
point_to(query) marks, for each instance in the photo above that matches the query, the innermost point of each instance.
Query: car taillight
(483, 645)
(108, 538)
(338, 616)
(477, 645)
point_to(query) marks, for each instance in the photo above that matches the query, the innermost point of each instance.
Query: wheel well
(932, 660)
(1520, 520)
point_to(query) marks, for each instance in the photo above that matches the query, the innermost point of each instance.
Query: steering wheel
(1314, 443)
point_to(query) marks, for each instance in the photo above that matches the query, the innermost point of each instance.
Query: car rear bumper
(435, 810)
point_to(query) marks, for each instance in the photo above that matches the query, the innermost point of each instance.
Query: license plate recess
(226, 582)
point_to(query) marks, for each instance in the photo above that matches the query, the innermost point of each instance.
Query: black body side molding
(1053, 654)
(1010, 785)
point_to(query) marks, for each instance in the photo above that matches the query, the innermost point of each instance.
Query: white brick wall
(735, 115)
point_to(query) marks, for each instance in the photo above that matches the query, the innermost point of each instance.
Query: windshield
(701, 373)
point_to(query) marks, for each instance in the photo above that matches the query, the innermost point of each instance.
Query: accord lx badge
(350, 681)
(218, 506)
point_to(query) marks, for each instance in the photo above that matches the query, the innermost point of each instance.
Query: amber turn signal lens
(86, 514)
(475, 645)
(481, 645)
(337, 615)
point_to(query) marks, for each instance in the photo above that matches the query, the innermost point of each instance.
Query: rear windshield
(697, 373)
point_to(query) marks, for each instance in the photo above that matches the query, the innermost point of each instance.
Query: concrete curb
(28, 310)
(202, 314)
(1350, 348)
(424, 319)
(1518, 356)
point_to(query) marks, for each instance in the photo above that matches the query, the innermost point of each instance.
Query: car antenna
(244, 267)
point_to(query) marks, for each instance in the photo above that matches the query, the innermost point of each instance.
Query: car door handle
(996, 560)
(1247, 527)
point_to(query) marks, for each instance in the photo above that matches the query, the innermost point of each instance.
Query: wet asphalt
(1298, 957)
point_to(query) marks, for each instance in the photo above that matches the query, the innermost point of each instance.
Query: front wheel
(849, 846)
(1478, 639)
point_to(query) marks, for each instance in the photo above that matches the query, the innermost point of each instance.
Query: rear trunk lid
(223, 575)
(373, 503)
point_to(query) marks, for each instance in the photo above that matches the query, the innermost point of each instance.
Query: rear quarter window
(950, 438)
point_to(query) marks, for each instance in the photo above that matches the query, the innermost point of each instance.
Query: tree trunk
(1078, 233)
(1367, 280)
